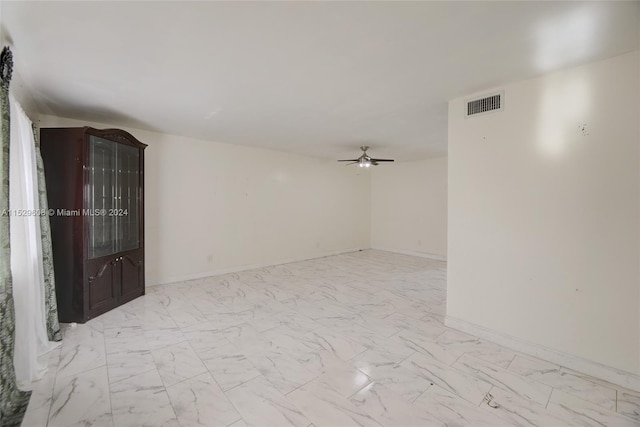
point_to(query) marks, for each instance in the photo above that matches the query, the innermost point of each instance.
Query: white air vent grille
(484, 105)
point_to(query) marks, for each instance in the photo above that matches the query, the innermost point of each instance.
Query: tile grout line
(299, 387)
(239, 384)
(229, 400)
(511, 361)
(106, 365)
(53, 388)
(431, 384)
(549, 399)
(348, 398)
(458, 358)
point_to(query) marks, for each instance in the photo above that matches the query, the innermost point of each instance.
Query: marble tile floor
(351, 340)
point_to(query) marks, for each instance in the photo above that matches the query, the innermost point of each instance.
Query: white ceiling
(316, 78)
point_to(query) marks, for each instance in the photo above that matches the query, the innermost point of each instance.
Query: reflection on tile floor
(354, 339)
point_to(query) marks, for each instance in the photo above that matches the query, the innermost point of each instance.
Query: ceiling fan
(365, 161)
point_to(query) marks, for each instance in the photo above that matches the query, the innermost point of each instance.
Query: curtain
(13, 402)
(27, 268)
(50, 303)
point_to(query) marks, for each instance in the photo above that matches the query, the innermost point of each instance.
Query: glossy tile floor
(348, 340)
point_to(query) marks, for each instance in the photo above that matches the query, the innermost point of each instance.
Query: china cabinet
(95, 188)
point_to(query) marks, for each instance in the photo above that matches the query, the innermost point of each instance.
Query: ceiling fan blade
(365, 160)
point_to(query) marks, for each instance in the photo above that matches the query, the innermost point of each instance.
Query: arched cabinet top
(117, 135)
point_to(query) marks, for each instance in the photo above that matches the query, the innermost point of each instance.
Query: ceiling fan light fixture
(365, 161)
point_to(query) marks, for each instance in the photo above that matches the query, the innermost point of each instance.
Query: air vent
(484, 105)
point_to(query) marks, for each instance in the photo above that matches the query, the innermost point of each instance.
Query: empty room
(319, 214)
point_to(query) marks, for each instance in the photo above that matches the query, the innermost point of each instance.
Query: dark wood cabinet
(95, 186)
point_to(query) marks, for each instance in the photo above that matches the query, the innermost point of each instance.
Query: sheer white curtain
(26, 252)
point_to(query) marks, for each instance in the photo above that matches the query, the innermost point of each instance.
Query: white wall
(544, 216)
(214, 207)
(409, 207)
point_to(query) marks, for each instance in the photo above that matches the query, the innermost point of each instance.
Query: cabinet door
(114, 221)
(104, 276)
(132, 279)
(101, 203)
(127, 213)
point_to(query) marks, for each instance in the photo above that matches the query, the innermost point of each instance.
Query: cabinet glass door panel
(102, 197)
(128, 206)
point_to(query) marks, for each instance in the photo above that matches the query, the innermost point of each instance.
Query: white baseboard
(236, 269)
(575, 363)
(412, 253)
